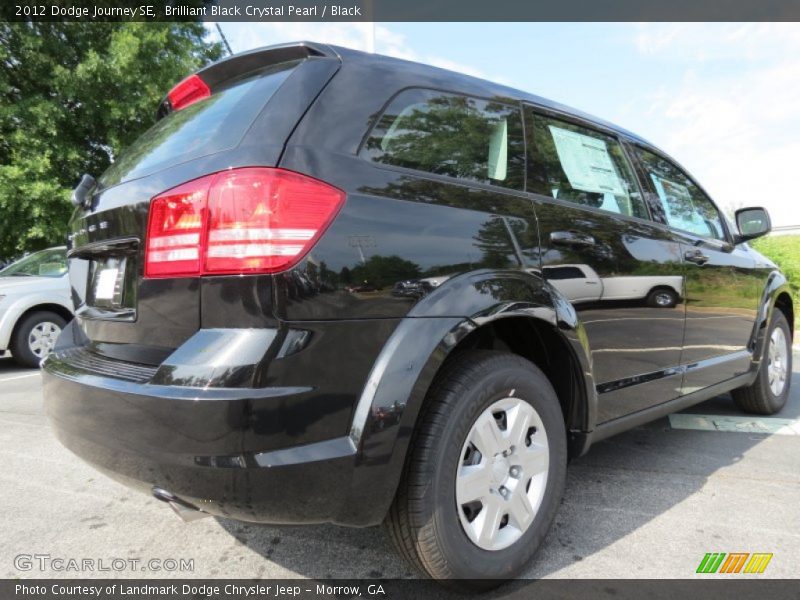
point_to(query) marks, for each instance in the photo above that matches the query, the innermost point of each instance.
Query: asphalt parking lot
(646, 504)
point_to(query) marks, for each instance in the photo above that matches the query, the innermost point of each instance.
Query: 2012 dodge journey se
(329, 286)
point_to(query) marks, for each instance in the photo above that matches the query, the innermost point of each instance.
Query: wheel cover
(502, 474)
(663, 299)
(777, 359)
(42, 338)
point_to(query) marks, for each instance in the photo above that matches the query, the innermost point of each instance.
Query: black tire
(20, 349)
(758, 398)
(424, 522)
(657, 298)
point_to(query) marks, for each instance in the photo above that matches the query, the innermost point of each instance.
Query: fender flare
(776, 285)
(387, 411)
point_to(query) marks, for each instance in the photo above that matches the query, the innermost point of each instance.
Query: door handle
(571, 238)
(696, 257)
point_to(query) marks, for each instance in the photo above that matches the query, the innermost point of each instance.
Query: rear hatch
(236, 113)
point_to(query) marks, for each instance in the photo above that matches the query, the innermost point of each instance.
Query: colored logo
(735, 562)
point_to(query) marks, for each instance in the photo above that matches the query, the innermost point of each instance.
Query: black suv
(330, 286)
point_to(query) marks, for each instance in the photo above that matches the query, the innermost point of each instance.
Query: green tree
(384, 271)
(72, 95)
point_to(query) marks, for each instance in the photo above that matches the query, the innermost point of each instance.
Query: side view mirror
(752, 223)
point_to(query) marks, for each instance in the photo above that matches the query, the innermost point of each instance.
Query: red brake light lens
(265, 219)
(176, 229)
(251, 220)
(187, 92)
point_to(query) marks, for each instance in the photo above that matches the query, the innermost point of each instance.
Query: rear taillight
(187, 92)
(251, 220)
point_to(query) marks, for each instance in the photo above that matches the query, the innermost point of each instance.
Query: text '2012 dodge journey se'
(329, 286)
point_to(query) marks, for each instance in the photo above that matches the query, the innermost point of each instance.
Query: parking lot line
(19, 376)
(768, 425)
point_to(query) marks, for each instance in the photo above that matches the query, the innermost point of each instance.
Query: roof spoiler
(239, 64)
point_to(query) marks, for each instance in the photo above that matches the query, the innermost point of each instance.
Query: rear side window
(685, 205)
(450, 134)
(572, 163)
(205, 127)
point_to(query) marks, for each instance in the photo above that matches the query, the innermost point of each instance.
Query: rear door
(723, 288)
(591, 213)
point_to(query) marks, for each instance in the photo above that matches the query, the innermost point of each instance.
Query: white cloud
(733, 117)
(727, 107)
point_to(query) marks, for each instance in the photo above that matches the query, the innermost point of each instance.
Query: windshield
(46, 263)
(205, 127)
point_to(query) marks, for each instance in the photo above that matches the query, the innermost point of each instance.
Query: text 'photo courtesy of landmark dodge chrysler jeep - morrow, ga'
(242, 348)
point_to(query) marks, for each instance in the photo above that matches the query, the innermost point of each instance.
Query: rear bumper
(263, 454)
(183, 445)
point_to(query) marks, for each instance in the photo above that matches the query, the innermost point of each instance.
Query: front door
(723, 288)
(594, 223)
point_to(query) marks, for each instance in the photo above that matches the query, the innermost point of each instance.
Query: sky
(723, 99)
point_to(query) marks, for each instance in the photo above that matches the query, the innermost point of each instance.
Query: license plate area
(109, 287)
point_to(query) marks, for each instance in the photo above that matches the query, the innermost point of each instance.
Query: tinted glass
(47, 263)
(205, 127)
(684, 205)
(450, 134)
(579, 165)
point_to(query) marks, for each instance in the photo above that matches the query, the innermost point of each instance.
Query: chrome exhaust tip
(187, 512)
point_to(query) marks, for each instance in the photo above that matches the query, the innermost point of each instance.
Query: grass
(784, 250)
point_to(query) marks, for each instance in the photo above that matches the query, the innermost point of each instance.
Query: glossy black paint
(167, 312)
(250, 387)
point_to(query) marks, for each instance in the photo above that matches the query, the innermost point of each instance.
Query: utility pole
(369, 10)
(224, 39)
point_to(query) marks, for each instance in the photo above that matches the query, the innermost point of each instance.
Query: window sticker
(677, 201)
(680, 208)
(586, 162)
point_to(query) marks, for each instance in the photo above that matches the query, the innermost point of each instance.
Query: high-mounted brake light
(187, 92)
(250, 220)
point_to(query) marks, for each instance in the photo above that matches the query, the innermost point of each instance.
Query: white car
(35, 305)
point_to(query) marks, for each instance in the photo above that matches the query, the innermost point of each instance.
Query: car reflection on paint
(580, 283)
(363, 288)
(417, 288)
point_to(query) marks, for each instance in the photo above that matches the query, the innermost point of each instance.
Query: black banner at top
(400, 10)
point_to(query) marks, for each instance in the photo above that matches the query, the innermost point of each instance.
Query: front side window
(449, 134)
(45, 263)
(684, 204)
(575, 164)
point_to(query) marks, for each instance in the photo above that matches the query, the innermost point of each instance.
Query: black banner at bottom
(340, 589)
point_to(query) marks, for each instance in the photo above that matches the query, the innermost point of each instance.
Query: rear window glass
(205, 127)
(450, 134)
